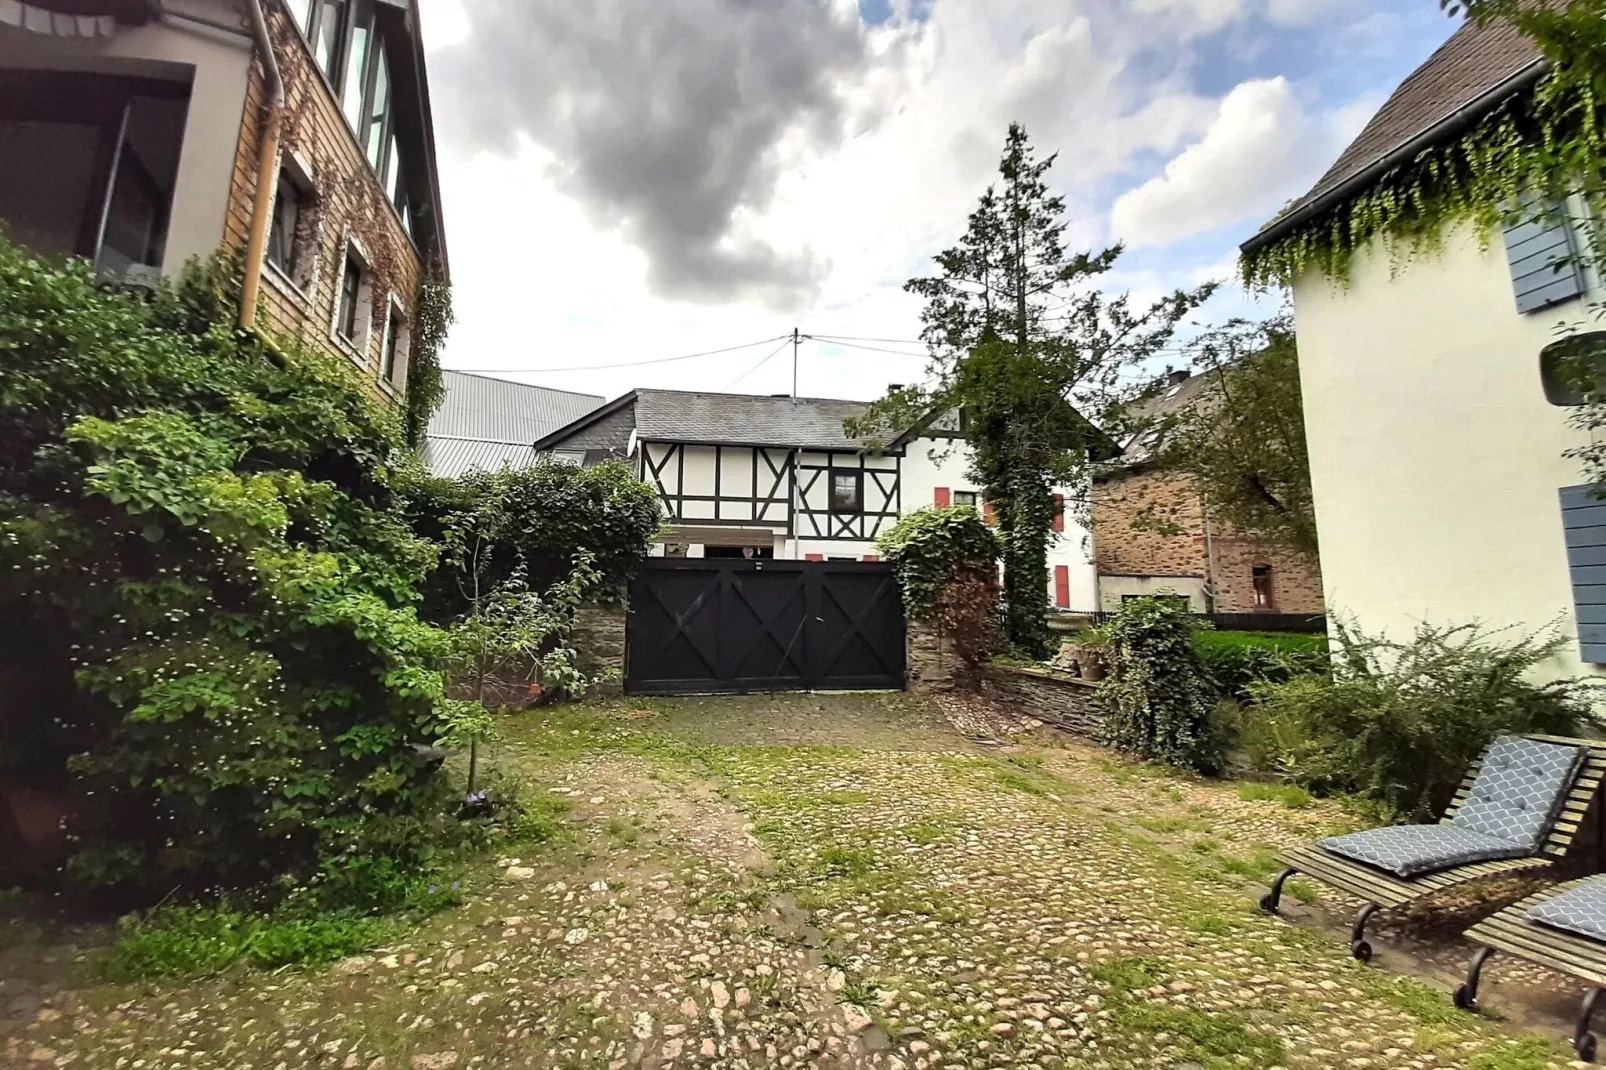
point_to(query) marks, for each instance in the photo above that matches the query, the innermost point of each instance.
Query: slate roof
(1472, 63)
(491, 423)
(745, 419)
(1172, 399)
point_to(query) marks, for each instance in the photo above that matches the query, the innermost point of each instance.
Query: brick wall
(347, 202)
(1153, 524)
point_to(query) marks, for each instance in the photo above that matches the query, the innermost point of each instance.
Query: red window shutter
(988, 515)
(945, 497)
(872, 557)
(1059, 512)
(814, 557)
(1062, 586)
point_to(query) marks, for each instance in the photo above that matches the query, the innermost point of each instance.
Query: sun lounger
(1564, 928)
(1518, 811)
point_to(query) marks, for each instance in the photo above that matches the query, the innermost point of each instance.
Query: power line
(872, 349)
(852, 338)
(777, 351)
(625, 364)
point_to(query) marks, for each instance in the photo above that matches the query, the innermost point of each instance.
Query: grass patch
(544, 818)
(190, 941)
(1290, 795)
(1528, 1054)
(1213, 1040)
(1128, 973)
(929, 831)
(1209, 924)
(1419, 1001)
(1261, 866)
(1024, 774)
(1167, 824)
(845, 861)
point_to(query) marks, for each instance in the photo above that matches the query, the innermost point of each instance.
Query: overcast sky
(629, 180)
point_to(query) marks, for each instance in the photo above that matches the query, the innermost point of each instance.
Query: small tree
(1159, 702)
(1243, 440)
(1035, 356)
(946, 561)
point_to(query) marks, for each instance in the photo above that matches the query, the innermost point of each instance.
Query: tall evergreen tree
(1037, 358)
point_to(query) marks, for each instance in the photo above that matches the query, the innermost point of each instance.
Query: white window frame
(359, 348)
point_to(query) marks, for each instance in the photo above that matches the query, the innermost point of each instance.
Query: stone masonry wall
(599, 643)
(931, 660)
(1171, 501)
(347, 202)
(1066, 703)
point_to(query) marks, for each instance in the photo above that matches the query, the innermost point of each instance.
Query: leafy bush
(946, 561)
(205, 527)
(184, 941)
(1397, 724)
(1236, 660)
(1158, 701)
(547, 513)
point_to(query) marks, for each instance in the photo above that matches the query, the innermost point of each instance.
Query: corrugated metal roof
(495, 410)
(745, 419)
(452, 457)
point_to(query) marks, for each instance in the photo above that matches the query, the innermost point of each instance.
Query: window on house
(326, 34)
(351, 287)
(1264, 594)
(377, 115)
(1573, 368)
(301, 11)
(394, 366)
(966, 497)
(847, 492)
(285, 231)
(89, 164)
(574, 457)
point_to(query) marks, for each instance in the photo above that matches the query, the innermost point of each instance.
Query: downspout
(1210, 557)
(267, 168)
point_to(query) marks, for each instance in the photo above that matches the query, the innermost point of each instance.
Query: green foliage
(1551, 141)
(1158, 702)
(928, 547)
(426, 387)
(534, 519)
(186, 941)
(1035, 357)
(1237, 660)
(205, 528)
(1397, 724)
(1243, 439)
(1290, 795)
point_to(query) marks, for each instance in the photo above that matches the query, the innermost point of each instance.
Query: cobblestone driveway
(813, 880)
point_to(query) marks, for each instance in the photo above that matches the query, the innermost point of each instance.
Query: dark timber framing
(768, 471)
(880, 497)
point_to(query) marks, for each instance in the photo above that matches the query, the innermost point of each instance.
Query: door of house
(712, 625)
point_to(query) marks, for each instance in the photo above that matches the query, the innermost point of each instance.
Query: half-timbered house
(776, 477)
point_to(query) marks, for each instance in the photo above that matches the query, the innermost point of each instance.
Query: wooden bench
(1380, 889)
(1511, 931)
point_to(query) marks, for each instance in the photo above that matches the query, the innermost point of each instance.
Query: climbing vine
(426, 388)
(1551, 141)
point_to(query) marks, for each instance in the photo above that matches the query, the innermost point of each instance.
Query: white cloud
(1261, 150)
(549, 277)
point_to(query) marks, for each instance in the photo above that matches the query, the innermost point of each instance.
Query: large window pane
(301, 11)
(393, 173)
(142, 190)
(379, 108)
(355, 81)
(326, 40)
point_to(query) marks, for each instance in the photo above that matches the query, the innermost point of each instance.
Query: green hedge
(1236, 661)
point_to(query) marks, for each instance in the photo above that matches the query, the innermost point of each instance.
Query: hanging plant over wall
(1550, 141)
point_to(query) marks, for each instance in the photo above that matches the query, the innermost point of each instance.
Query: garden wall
(931, 660)
(1063, 702)
(599, 644)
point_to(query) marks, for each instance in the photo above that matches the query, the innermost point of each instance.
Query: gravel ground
(820, 881)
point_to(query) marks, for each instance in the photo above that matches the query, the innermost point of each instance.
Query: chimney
(1177, 378)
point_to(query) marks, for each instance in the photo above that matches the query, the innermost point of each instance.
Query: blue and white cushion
(1507, 813)
(1518, 790)
(1580, 910)
(1412, 850)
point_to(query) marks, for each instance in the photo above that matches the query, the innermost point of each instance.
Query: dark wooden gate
(717, 625)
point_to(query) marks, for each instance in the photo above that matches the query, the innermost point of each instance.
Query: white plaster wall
(932, 463)
(218, 64)
(1435, 459)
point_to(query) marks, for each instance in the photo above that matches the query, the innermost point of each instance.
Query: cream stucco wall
(216, 64)
(1435, 458)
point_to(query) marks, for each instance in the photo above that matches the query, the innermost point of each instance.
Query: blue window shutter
(1583, 522)
(1544, 267)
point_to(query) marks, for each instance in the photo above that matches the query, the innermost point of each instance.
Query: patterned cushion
(1412, 850)
(1518, 790)
(1580, 910)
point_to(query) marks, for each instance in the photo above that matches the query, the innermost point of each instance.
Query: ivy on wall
(1550, 141)
(426, 388)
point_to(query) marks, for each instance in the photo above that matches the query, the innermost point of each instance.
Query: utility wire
(852, 338)
(872, 349)
(625, 364)
(778, 349)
